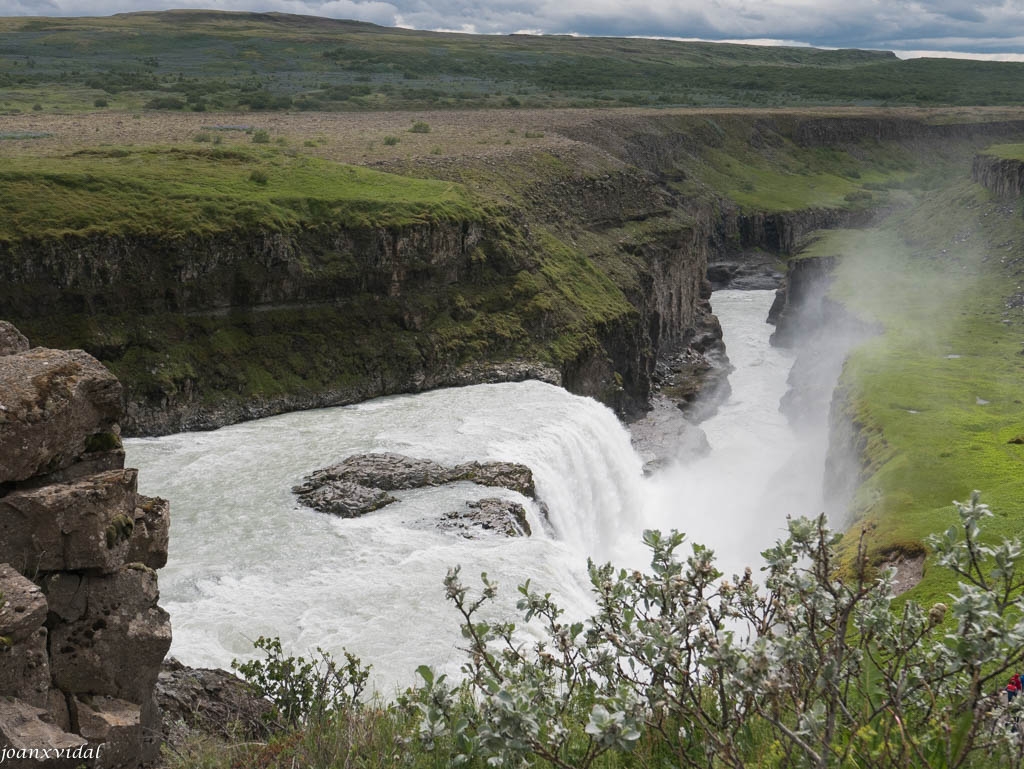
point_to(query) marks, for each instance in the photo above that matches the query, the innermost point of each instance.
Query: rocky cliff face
(823, 333)
(1001, 176)
(585, 273)
(95, 276)
(81, 634)
(828, 131)
(782, 232)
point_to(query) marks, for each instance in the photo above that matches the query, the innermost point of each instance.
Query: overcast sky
(981, 27)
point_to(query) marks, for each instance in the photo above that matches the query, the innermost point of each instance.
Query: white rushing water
(246, 560)
(736, 498)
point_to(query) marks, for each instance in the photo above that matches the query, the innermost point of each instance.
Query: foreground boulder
(56, 406)
(84, 634)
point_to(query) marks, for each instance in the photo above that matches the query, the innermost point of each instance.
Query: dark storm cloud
(962, 25)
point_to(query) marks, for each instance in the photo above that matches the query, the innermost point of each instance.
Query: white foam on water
(247, 560)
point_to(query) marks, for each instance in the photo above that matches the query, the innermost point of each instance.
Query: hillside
(205, 60)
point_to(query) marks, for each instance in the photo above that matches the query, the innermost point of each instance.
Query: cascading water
(736, 498)
(246, 560)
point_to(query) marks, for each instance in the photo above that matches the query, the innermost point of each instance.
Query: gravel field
(359, 137)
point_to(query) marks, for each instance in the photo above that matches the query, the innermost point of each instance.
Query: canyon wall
(585, 273)
(81, 634)
(1001, 176)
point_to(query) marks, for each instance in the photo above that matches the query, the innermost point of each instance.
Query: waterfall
(246, 560)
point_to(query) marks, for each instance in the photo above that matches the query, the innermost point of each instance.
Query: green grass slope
(190, 190)
(940, 393)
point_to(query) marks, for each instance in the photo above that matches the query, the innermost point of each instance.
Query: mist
(762, 465)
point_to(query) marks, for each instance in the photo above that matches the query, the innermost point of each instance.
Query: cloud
(960, 26)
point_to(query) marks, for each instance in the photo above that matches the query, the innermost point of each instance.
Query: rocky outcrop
(84, 635)
(1001, 176)
(800, 304)
(359, 484)
(11, 340)
(821, 331)
(491, 515)
(830, 131)
(781, 233)
(58, 406)
(196, 272)
(208, 701)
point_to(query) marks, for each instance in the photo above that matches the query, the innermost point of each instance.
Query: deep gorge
(588, 265)
(584, 266)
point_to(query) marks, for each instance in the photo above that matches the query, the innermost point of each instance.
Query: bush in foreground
(680, 667)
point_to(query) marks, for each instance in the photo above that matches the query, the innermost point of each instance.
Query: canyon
(583, 264)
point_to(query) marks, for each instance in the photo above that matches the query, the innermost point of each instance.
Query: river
(246, 560)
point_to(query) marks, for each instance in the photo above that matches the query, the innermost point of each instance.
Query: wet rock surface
(696, 376)
(664, 435)
(360, 484)
(748, 271)
(489, 515)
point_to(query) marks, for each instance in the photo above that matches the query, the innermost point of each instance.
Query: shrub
(683, 668)
(301, 690)
(202, 136)
(808, 670)
(534, 134)
(419, 127)
(390, 141)
(260, 136)
(100, 102)
(262, 100)
(165, 102)
(258, 176)
(37, 107)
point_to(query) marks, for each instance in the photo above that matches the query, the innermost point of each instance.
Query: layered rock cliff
(582, 281)
(81, 634)
(1001, 176)
(580, 264)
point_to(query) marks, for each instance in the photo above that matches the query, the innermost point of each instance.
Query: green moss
(119, 530)
(102, 442)
(1006, 151)
(784, 176)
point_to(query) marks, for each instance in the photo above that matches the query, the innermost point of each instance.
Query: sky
(970, 28)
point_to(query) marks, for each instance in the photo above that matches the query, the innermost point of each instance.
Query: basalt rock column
(83, 636)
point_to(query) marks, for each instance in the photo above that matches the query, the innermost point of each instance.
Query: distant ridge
(229, 60)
